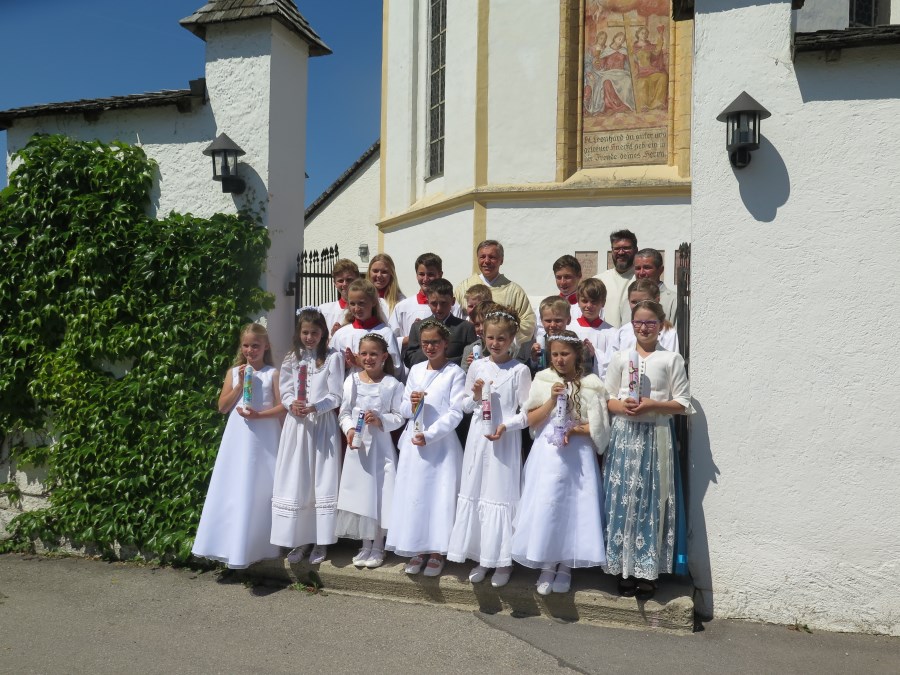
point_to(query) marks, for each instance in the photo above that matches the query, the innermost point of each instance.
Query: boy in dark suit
(462, 333)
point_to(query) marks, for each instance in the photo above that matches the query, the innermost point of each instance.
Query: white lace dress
(428, 475)
(492, 470)
(309, 456)
(367, 479)
(237, 514)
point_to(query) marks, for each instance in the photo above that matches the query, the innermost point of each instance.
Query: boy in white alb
(429, 267)
(345, 272)
(599, 337)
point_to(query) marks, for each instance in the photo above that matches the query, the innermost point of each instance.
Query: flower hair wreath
(564, 338)
(308, 308)
(375, 336)
(504, 315)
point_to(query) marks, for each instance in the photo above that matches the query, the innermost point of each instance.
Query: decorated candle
(248, 386)
(302, 374)
(486, 402)
(476, 351)
(559, 414)
(357, 431)
(634, 376)
(417, 415)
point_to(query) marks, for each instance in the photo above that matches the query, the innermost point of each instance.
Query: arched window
(437, 37)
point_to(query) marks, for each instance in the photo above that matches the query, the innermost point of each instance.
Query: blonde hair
(392, 293)
(259, 331)
(368, 289)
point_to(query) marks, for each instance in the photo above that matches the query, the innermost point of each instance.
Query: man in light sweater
(648, 264)
(504, 291)
(616, 279)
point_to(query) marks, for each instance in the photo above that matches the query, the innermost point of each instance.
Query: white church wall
(350, 217)
(399, 140)
(535, 234)
(523, 65)
(462, 53)
(449, 235)
(793, 338)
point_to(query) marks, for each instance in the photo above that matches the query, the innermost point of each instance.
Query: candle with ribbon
(358, 429)
(560, 420)
(417, 414)
(248, 386)
(634, 376)
(302, 380)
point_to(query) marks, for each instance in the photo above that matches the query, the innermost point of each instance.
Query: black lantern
(225, 152)
(742, 128)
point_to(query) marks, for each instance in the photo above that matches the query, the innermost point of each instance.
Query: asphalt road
(72, 615)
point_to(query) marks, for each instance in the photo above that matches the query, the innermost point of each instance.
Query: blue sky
(64, 50)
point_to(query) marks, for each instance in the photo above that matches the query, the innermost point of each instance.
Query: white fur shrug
(593, 399)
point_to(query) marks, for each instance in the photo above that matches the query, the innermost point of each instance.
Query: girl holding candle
(237, 512)
(309, 454)
(496, 391)
(364, 316)
(648, 385)
(430, 456)
(370, 410)
(558, 525)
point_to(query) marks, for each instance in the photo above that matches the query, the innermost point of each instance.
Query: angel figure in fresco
(652, 70)
(609, 77)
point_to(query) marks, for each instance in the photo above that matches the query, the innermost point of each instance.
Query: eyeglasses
(619, 249)
(638, 325)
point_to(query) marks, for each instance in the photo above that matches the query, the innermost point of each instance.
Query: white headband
(308, 308)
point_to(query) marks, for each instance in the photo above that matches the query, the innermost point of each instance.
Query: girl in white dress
(558, 525)
(364, 315)
(236, 515)
(638, 290)
(648, 386)
(492, 463)
(309, 455)
(370, 464)
(430, 456)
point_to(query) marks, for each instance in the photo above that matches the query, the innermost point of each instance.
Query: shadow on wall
(765, 184)
(859, 74)
(703, 471)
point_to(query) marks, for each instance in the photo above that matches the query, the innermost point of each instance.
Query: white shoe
(318, 555)
(298, 554)
(477, 575)
(376, 558)
(501, 576)
(434, 566)
(545, 581)
(562, 582)
(414, 566)
(362, 557)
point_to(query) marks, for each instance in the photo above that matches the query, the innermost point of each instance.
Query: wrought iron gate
(683, 326)
(312, 284)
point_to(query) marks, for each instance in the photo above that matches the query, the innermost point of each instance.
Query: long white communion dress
(367, 479)
(559, 517)
(237, 514)
(309, 455)
(428, 475)
(492, 470)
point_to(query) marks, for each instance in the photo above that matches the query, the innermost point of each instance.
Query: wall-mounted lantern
(742, 128)
(364, 252)
(225, 152)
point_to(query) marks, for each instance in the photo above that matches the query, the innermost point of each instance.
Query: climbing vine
(116, 330)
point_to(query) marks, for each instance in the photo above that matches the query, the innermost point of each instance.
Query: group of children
(374, 362)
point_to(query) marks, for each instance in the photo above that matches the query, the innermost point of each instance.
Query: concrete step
(593, 598)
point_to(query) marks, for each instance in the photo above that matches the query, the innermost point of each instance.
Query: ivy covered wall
(116, 331)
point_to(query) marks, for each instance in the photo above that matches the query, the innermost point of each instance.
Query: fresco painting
(626, 107)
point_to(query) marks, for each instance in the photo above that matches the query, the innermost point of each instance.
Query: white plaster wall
(523, 74)
(399, 143)
(286, 181)
(449, 235)
(794, 468)
(535, 234)
(822, 15)
(460, 80)
(350, 217)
